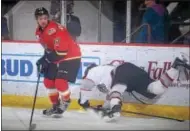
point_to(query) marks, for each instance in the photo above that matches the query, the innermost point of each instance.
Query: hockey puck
(32, 127)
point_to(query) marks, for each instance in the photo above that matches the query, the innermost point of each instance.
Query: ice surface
(18, 119)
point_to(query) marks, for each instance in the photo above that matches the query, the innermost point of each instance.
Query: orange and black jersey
(58, 43)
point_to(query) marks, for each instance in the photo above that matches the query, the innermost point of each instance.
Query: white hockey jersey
(101, 75)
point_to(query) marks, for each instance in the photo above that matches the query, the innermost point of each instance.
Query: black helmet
(41, 11)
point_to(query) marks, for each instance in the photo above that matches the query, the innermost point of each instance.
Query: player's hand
(85, 104)
(42, 65)
(102, 88)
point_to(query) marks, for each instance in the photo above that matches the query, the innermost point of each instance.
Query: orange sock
(63, 88)
(53, 95)
(54, 98)
(65, 96)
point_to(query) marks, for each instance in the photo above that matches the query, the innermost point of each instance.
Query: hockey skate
(56, 110)
(112, 114)
(106, 114)
(181, 62)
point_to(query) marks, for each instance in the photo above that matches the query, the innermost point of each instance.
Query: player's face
(42, 20)
(148, 2)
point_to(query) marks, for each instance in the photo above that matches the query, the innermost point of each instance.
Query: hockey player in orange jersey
(60, 62)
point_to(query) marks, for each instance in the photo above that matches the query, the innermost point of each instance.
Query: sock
(167, 78)
(65, 95)
(53, 95)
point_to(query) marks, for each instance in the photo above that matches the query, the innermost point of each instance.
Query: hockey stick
(33, 126)
(163, 117)
(138, 113)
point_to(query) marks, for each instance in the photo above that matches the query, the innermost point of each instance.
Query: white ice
(18, 119)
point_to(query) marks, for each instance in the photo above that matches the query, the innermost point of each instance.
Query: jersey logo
(51, 31)
(57, 41)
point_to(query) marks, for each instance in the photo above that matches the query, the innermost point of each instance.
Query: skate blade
(57, 115)
(96, 115)
(53, 116)
(115, 117)
(32, 127)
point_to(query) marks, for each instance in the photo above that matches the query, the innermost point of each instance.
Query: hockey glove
(85, 104)
(102, 88)
(42, 65)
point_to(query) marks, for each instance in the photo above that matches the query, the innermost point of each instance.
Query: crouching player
(60, 62)
(114, 81)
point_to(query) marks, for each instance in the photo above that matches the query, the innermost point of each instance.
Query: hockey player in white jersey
(114, 81)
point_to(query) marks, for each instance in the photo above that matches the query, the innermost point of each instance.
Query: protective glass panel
(82, 21)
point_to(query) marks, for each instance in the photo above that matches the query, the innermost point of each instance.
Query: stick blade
(32, 127)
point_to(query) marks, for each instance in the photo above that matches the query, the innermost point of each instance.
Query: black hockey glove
(85, 105)
(42, 65)
(102, 88)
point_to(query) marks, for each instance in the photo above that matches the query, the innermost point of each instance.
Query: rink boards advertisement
(19, 72)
